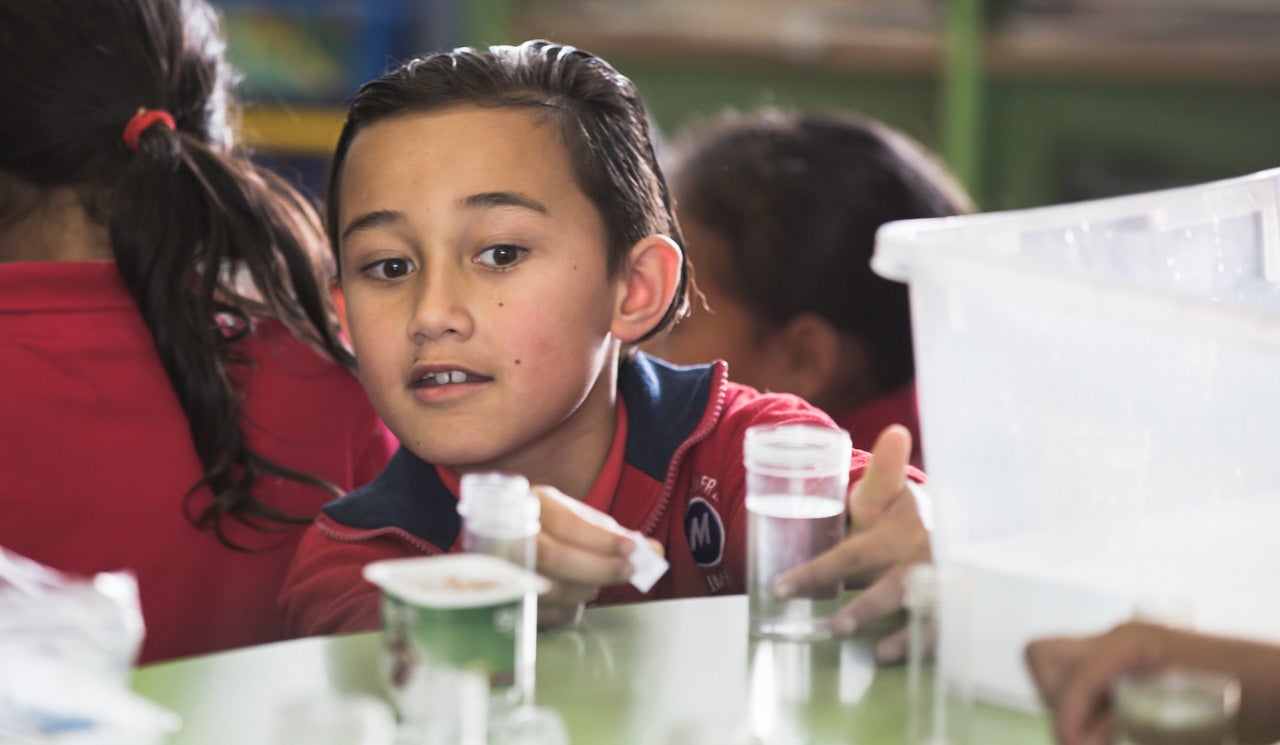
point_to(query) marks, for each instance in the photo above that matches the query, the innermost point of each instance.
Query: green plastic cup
(459, 612)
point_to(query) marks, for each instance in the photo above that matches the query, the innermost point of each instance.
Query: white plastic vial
(501, 517)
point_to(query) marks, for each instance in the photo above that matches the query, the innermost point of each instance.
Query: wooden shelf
(1057, 53)
(894, 52)
(707, 32)
(1067, 50)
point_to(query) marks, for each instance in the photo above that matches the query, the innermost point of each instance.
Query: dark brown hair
(798, 198)
(204, 239)
(599, 113)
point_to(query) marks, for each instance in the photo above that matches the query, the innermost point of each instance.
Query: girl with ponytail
(175, 398)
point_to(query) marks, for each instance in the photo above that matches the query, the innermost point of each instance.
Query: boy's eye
(389, 268)
(501, 256)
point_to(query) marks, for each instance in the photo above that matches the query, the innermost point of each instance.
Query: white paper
(649, 566)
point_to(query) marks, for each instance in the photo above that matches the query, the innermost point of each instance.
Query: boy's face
(475, 288)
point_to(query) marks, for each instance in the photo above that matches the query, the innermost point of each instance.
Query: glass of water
(797, 479)
(1185, 707)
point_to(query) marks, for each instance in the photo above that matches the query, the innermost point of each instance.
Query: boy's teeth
(446, 377)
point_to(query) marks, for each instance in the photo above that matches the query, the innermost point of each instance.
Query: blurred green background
(1029, 102)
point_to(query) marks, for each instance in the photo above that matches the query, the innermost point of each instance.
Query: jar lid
(797, 450)
(498, 502)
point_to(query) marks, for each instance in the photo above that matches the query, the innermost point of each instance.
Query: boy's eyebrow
(374, 219)
(505, 199)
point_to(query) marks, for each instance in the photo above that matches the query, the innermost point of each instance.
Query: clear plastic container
(1097, 387)
(797, 478)
(1176, 707)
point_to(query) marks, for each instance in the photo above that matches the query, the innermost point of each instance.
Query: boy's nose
(440, 311)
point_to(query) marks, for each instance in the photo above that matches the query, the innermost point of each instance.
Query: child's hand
(580, 550)
(1075, 676)
(888, 537)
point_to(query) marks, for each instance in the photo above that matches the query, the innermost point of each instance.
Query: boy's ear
(647, 286)
(813, 357)
(340, 307)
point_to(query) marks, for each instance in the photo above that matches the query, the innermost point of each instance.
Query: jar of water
(797, 479)
(1176, 707)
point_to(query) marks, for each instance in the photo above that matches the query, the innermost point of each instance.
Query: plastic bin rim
(897, 242)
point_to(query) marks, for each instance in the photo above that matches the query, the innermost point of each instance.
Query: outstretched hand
(887, 537)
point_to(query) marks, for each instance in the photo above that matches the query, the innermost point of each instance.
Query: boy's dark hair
(798, 198)
(204, 239)
(598, 112)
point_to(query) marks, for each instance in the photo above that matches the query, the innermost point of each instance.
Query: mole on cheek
(517, 362)
(501, 304)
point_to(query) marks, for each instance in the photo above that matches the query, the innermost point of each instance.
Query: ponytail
(206, 242)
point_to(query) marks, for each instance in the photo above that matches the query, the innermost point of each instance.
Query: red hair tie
(141, 122)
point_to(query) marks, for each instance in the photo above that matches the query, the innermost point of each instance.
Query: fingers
(580, 550)
(880, 600)
(564, 562)
(1087, 668)
(898, 540)
(852, 560)
(1051, 661)
(1100, 731)
(564, 602)
(574, 523)
(1085, 701)
(892, 649)
(884, 478)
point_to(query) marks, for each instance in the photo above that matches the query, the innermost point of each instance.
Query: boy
(505, 238)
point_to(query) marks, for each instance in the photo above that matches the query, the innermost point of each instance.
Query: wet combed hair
(597, 110)
(798, 198)
(205, 240)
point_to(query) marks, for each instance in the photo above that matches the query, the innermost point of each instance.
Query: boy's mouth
(437, 378)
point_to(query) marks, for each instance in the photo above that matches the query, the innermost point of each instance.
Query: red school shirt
(97, 458)
(865, 422)
(681, 481)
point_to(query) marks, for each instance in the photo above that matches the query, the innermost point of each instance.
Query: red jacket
(97, 458)
(683, 483)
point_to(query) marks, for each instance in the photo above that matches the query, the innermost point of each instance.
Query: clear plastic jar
(797, 479)
(1176, 707)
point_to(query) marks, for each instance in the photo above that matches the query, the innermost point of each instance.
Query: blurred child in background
(780, 212)
(505, 238)
(175, 398)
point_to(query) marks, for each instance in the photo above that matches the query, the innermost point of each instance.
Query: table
(649, 674)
